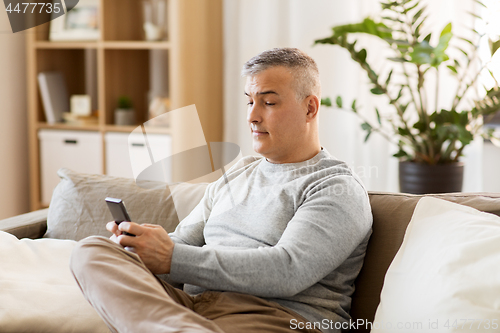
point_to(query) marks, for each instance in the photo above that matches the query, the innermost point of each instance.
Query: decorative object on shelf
(157, 112)
(425, 135)
(54, 95)
(155, 13)
(124, 114)
(78, 120)
(81, 105)
(79, 24)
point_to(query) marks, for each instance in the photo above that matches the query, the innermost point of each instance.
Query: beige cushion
(38, 292)
(391, 214)
(78, 210)
(445, 272)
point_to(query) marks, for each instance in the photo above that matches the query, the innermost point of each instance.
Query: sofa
(77, 210)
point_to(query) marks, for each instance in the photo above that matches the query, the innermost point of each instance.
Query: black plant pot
(418, 178)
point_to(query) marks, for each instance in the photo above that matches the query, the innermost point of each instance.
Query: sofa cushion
(445, 273)
(391, 214)
(38, 292)
(78, 210)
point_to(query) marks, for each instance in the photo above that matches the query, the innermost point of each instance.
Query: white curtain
(252, 26)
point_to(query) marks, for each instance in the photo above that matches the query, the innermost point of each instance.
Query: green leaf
(368, 135)
(326, 101)
(404, 107)
(474, 15)
(353, 106)
(401, 153)
(467, 40)
(494, 46)
(428, 38)
(420, 126)
(394, 19)
(464, 52)
(421, 53)
(361, 55)
(440, 50)
(377, 91)
(379, 120)
(366, 126)
(368, 26)
(400, 93)
(453, 69)
(398, 59)
(480, 3)
(417, 29)
(446, 30)
(338, 101)
(406, 10)
(398, 42)
(417, 15)
(403, 131)
(388, 78)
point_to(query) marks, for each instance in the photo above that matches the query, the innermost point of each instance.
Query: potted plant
(430, 140)
(124, 113)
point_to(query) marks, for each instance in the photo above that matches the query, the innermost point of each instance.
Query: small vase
(124, 117)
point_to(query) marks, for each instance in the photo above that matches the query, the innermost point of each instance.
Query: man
(282, 259)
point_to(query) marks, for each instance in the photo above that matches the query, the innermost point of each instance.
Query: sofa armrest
(29, 225)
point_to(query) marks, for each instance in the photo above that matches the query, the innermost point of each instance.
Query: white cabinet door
(80, 151)
(128, 154)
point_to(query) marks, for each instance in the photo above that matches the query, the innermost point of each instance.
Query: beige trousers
(129, 298)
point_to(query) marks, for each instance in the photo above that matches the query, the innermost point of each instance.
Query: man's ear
(312, 106)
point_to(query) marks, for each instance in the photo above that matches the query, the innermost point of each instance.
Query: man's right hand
(152, 243)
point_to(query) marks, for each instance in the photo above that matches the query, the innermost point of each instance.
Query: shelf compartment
(126, 74)
(79, 67)
(123, 20)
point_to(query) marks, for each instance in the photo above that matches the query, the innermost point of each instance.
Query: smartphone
(119, 212)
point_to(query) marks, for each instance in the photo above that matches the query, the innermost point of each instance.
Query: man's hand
(151, 243)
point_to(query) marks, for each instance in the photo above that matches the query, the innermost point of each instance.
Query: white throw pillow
(38, 292)
(446, 275)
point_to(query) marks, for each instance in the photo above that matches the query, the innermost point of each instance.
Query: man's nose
(254, 114)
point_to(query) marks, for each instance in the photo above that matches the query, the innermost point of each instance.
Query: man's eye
(250, 103)
(268, 103)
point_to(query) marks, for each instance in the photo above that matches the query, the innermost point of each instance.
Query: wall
(14, 195)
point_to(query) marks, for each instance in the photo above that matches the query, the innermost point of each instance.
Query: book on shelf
(54, 94)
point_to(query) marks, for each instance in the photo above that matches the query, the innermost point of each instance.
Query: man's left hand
(151, 242)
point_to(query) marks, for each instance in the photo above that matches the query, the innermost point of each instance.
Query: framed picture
(79, 24)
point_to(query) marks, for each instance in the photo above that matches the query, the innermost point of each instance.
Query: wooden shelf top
(162, 45)
(65, 45)
(63, 126)
(125, 45)
(129, 129)
(105, 128)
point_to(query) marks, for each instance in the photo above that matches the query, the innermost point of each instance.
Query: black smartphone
(119, 212)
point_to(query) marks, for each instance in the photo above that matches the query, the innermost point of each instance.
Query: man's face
(278, 121)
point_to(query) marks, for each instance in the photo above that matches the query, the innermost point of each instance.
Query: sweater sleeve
(190, 230)
(324, 231)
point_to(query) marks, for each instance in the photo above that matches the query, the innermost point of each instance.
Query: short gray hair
(302, 66)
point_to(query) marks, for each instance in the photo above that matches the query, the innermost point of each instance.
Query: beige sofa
(391, 212)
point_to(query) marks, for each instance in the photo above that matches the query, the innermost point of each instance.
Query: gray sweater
(294, 233)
